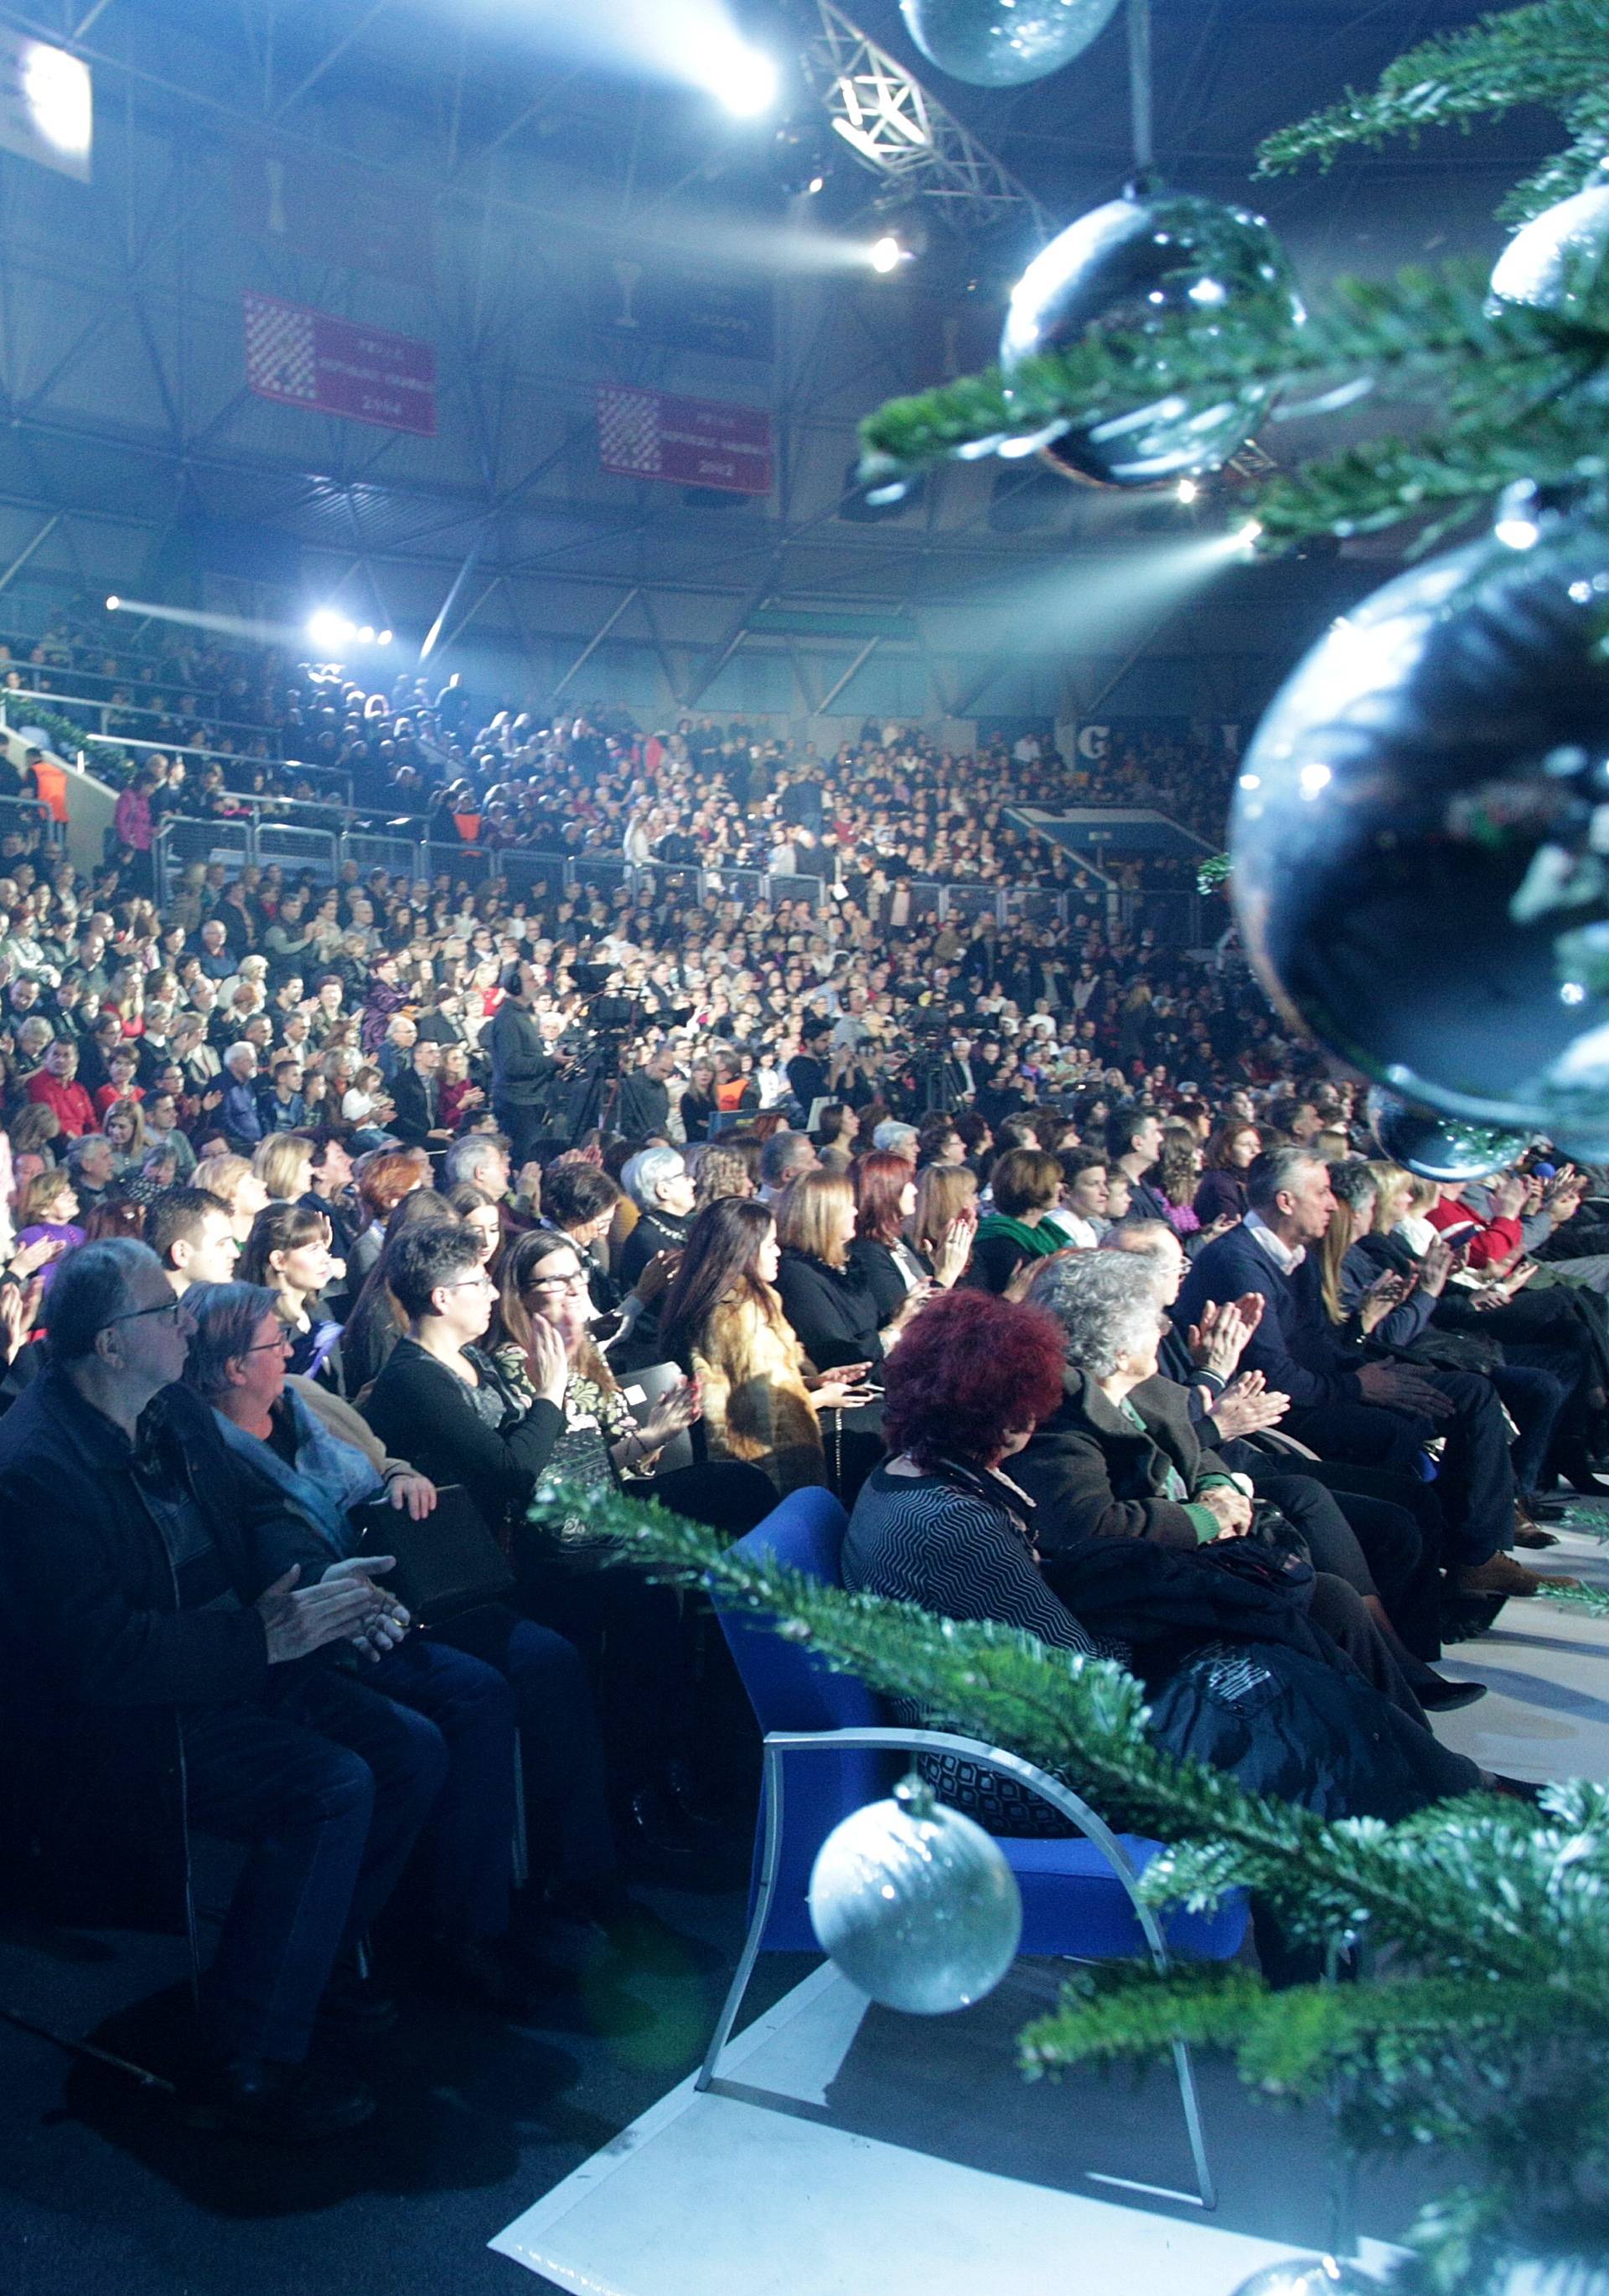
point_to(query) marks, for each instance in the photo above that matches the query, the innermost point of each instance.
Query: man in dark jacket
(157, 1653)
(522, 1069)
(1346, 1405)
(645, 1104)
(416, 1100)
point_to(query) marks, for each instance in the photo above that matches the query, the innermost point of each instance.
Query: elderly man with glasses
(161, 1622)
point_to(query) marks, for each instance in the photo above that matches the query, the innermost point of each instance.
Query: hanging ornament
(1311, 2275)
(1127, 268)
(1556, 262)
(1003, 43)
(1439, 1147)
(1421, 832)
(915, 1904)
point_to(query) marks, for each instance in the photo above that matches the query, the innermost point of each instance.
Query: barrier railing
(106, 710)
(520, 875)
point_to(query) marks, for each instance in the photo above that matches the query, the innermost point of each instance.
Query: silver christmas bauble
(1420, 834)
(915, 1904)
(1439, 1147)
(1124, 268)
(1556, 261)
(1003, 43)
(1310, 2275)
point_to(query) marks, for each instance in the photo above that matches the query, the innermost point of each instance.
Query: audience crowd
(351, 1235)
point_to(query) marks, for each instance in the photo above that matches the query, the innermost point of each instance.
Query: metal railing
(65, 703)
(520, 876)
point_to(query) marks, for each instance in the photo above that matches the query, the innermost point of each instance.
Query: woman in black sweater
(830, 1303)
(883, 1253)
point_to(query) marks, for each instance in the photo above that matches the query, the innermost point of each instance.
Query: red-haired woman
(893, 1267)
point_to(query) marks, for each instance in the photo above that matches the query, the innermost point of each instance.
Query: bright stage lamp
(745, 81)
(886, 253)
(112, 605)
(1188, 490)
(384, 638)
(329, 631)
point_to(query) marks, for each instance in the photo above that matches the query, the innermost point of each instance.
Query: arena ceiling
(540, 172)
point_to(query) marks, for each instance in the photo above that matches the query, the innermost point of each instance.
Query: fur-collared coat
(750, 1374)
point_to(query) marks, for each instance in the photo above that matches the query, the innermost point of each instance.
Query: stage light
(744, 79)
(1249, 534)
(61, 104)
(385, 637)
(366, 635)
(1188, 491)
(885, 254)
(112, 605)
(329, 631)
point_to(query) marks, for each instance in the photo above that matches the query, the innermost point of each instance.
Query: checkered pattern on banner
(281, 361)
(628, 432)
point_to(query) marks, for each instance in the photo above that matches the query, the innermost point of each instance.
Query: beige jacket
(750, 1374)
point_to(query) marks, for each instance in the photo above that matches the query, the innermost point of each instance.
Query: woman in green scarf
(1023, 1186)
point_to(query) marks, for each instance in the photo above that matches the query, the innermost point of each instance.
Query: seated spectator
(375, 1321)
(232, 1180)
(1356, 1406)
(124, 1127)
(283, 1163)
(829, 1302)
(191, 1232)
(721, 1171)
(723, 1321)
(91, 1161)
(784, 1158)
(476, 1210)
(1079, 1215)
(1134, 1142)
(288, 1252)
(141, 1667)
(883, 1253)
(942, 1525)
(416, 1099)
(1023, 1186)
(1221, 1194)
(55, 1085)
(947, 1196)
(46, 1212)
(324, 1465)
(239, 1119)
(658, 1182)
(384, 1179)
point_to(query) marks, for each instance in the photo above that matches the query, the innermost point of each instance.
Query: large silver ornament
(1127, 268)
(1439, 1147)
(1421, 834)
(915, 1904)
(1310, 2275)
(1556, 262)
(1003, 43)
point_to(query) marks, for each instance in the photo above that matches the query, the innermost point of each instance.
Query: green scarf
(1038, 1243)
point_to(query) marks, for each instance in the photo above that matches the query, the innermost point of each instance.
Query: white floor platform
(848, 2152)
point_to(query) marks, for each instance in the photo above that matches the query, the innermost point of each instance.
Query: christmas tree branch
(1486, 1886)
(1552, 53)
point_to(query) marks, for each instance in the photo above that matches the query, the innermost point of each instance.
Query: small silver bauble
(915, 1904)
(1436, 1146)
(1310, 2275)
(1004, 42)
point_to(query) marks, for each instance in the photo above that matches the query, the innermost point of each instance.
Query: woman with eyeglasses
(289, 1251)
(324, 1461)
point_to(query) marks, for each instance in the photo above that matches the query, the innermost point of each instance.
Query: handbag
(448, 1563)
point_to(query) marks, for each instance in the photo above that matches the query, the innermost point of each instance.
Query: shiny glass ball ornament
(1440, 1147)
(915, 1904)
(1004, 42)
(1420, 834)
(1126, 269)
(1556, 261)
(1311, 2275)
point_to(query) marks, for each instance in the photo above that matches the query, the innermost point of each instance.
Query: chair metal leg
(1192, 2104)
(770, 1859)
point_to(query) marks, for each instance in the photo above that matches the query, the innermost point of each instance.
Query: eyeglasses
(172, 1308)
(284, 1345)
(470, 1282)
(576, 1282)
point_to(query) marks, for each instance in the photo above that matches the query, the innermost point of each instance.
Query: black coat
(644, 1105)
(832, 1310)
(416, 1116)
(879, 1269)
(1093, 1476)
(424, 1412)
(96, 1655)
(522, 1066)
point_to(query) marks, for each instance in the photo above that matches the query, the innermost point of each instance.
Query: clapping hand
(343, 1607)
(1232, 1508)
(29, 1258)
(656, 1277)
(1247, 1406)
(955, 1250)
(1385, 1293)
(19, 1304)
(1218, 1342)
(676, 1409)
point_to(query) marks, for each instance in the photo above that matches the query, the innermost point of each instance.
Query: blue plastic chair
(828, 1733)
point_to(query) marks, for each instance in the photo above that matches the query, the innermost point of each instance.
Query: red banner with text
(334, 366)
(692, 442)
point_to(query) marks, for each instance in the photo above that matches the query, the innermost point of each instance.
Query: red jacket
(1492, 1242)
(71, 1102)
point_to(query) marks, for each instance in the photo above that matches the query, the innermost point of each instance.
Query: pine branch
(1484, 1886)
(1552, 53)
(1592, 1600)
(1568, 171)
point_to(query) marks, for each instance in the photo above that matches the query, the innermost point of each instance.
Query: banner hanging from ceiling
(334, 366)
(692, 442)
(684, 306)
(334, 213)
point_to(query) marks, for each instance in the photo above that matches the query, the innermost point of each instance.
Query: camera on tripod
(610, 1016)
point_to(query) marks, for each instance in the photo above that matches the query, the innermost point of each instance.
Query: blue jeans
(328, 1785)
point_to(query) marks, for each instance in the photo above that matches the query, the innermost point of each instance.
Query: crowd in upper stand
(1083, 1286)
